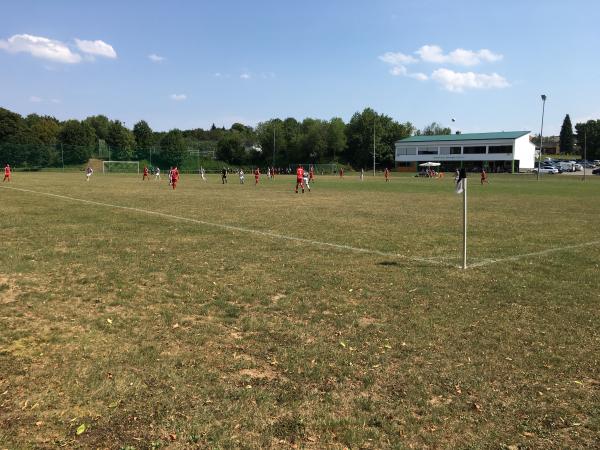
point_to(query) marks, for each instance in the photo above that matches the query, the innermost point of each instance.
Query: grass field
(251, 317)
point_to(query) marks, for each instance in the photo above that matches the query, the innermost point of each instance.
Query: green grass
(158, 332)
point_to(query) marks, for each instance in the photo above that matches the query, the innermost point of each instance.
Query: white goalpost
(121, 166)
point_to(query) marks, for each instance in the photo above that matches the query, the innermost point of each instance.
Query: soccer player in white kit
(241, 175)
(88, 173)
(157, 173)
(305, 181)
(202, 174)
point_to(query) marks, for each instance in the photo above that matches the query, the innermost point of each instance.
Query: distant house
(505, 151)
(551, 145)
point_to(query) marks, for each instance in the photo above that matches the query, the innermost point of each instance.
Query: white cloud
(245, 76)
(55, 100)
(418, 76)
(40, 47)
(397, 59)
(459, 81)
(155, 58)
(398, 70)
(35, 99)
(96, 48)
(459, 57)
(178, 97)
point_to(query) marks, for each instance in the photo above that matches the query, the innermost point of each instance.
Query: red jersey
(175, 174)
(145, 171)
(7, 170)
(256, 173)
(299, 173)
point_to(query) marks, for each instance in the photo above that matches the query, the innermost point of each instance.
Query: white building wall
(525, 153)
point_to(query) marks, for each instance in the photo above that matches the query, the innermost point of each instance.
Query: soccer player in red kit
(145, 176)
(386, 174)
(6, 173)
(299, 178)
(342, 172)
(174, 177)
(311, 174)
(256, 176)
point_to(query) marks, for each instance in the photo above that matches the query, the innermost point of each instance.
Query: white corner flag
(460, 181)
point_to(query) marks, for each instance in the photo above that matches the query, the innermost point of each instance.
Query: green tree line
(41, 141)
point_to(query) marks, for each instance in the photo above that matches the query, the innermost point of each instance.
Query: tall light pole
(373, 147)
(273, 148)
(584, 153)
(541, 137)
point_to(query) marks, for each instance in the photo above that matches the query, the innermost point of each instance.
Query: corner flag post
(461, 188)
(464, 265)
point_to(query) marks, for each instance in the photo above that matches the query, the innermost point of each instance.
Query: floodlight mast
(373, 147)
(541, 138)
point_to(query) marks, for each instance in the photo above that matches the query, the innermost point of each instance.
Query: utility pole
(62, 157)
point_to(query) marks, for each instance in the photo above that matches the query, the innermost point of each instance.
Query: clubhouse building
(505, 151)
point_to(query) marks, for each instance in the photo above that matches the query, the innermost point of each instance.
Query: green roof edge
(466, 136)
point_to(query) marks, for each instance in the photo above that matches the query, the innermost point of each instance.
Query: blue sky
(484, 63)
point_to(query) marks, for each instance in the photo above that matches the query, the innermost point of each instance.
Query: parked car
(596, 171)
(566, 166)
(547, 169)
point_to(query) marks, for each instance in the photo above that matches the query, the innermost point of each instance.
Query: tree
(268, 134)
(313, 140)
(231, 149)
(121, 141)
(433, 129)
(369, 129)
(566, 136)
(589, 132)
(336, 139)
(100, 124)
(143, 139)
(10, 124)
(77, 139)
(173, 150)
(44, 129)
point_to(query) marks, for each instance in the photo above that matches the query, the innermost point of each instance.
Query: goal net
(120, 166)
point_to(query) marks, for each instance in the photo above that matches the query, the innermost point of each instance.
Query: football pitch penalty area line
(239, 229)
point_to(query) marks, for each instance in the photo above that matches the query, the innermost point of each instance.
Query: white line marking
(489, 261)
(240, 229)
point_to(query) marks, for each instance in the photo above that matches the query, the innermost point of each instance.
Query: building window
(500, 149)
(411, 150)
(428, 151)
(455, 150)
(474, 150)
(400, 151)
(444, 150)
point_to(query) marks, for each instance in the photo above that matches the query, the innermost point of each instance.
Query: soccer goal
(121, 166)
